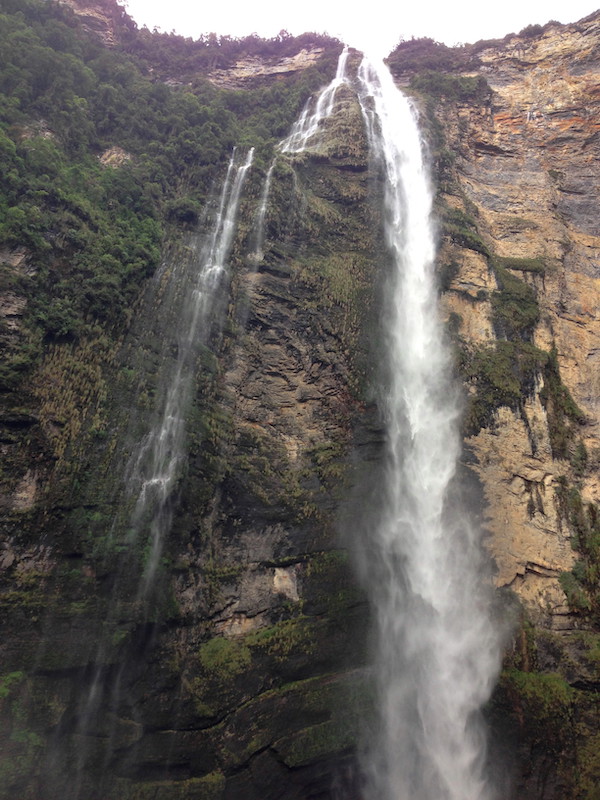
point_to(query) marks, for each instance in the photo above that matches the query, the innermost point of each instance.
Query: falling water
(436, 652)
(262, 211)
(151, 477)
(307, 124)
(155, 465)
(303, 130)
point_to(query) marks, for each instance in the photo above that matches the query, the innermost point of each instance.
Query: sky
(373, 25)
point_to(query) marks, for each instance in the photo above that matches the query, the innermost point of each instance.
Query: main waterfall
(436, 652)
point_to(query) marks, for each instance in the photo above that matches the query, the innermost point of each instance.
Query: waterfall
(258, 254)
(151, 477)
(155, 464)
(436, 651)
(303, 130)
(308, 123)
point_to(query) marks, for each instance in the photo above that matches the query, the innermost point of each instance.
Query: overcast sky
(370, 24)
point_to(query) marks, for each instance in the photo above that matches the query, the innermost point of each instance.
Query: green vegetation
(553, 720)
(582, 584)
(425, 54)
(542, 705)
(284, 638)
(447, 274)
(461, 227)
(514, 306)
(9, 682)
(93, 232)
(563, 413)
(531, 31)
(225, 663)
(503, 374)
(224, 658)
(506, 372)
(535, 265)
(456, 88)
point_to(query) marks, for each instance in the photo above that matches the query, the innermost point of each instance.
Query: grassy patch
(582, 584)
(535, 265)
(503, 375)
(283, 638)
(224, 658)
(458, 88)
(563, 412)
(542, 706)
(514, 306)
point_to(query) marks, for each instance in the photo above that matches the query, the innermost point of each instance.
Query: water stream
(436, 651)
(151, 477)
(258, 254)
(315, 111)
(154, 467)
(302, 136)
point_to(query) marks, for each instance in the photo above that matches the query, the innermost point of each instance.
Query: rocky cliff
(243, 673)
(515, 137)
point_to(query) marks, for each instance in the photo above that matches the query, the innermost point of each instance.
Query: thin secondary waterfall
(303, 131)
(154, 467)
(307, 125)
(262, 211)
(436, 652)
(152, 475)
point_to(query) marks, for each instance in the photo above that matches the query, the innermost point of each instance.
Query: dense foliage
(581, 584)
(416, 55)
(92, 232)
(439, 84)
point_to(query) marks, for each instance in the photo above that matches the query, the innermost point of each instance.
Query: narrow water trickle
(151, 478)
(315, 111)
(436, 651)
(301, 136)
(154, 466)
(262, 211)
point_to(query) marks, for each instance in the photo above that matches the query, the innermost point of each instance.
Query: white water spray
(309, 121)
(299, 139)
(436, 653)
(258, 254)
(155, 465)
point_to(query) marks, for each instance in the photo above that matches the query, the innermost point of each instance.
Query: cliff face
(518, 177)
(240, 670)
(527, 172)
(100, 18)
(242, 674)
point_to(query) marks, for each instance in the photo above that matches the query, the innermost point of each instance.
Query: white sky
(370, 24)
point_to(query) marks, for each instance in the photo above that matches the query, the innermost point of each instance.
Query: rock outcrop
(100, 17)
(253, 70)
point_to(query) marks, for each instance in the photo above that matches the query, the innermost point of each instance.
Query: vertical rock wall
(245, 678)
(514, 131)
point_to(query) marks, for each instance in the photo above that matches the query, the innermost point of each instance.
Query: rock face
(518, 193)
(242, 674)
(253, 70)
(99, 17)
(245, 675)
(527, 171)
